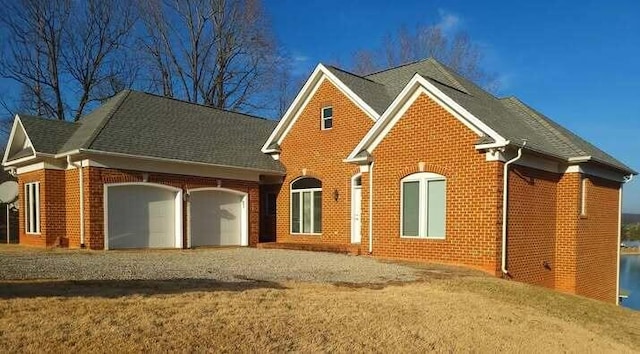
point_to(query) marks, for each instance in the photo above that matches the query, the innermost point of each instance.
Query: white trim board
(28, 144)
(319, 75)
(414, 89)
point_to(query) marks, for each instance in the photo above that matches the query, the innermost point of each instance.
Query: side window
(32, 207)
(423, 205)
(327, 118)
(306, 206)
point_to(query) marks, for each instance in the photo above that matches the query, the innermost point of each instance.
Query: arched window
(306, 206)
(423, 205)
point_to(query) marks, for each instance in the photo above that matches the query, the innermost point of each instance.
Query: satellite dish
(8, 192)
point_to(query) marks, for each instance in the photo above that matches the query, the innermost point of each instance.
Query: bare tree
(61, 52)
(215, 52)
(98, 31)
(456, 51)
(33, 50)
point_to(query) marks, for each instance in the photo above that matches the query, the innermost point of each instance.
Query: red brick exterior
(427, 133)
(549, 243)
(60, 207)
(320, 153)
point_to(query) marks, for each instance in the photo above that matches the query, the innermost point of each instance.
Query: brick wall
(321, 152)
(567, 213)
(41, 240)
(60, 206)
(428, 133)
(597, 241)
(532, 225)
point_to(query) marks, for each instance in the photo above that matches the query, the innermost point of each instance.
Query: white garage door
(216, 218)
(141, 216)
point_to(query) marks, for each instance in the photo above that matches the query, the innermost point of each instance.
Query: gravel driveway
(224, 264)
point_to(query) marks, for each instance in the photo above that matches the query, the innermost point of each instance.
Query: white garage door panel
(216, 218)
(141, 217)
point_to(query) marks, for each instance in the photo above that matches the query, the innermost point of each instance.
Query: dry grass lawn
(460, 313)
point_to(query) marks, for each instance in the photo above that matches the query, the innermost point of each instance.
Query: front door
(356, 212)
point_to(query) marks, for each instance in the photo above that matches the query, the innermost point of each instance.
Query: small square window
(327, 118)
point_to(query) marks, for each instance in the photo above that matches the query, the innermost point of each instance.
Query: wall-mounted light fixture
(336, 195)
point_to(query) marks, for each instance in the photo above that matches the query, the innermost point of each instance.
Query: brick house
(141, 171)
(407, 163)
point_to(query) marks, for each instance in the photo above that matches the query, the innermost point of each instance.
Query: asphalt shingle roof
(143, 124)
(47, 135)
(509, 117)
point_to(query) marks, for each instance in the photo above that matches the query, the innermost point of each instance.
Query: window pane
(304, 183)
(410, 208)
(306, 212)
(327, 112)
(328, 123)
(317, 212)
(295, 212)
(436, 208)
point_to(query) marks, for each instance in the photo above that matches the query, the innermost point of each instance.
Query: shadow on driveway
(119, 288)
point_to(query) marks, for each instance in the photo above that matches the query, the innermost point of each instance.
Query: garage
(218, 217)
(143, 215)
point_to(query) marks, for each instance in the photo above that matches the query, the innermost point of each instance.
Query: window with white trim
(423, 205)
(32, 207)
(583, 196)
(306, 206)
(327, 118)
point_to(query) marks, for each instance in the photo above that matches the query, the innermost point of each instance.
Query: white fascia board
(493, 145)
(163, 159)
(579, 159)
(596, 171)
(417, 86)
(17, 124)
(309, 89)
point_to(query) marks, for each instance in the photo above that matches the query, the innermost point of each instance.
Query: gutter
(163, 159)
(505, 205)
(81, 185)
(626, 180)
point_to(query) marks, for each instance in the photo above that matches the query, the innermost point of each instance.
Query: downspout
(626, 180)
(505, 205)
(81, 185)
(371, 207)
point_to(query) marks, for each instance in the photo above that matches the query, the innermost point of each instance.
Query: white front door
(356, 212)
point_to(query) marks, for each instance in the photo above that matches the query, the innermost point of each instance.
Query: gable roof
(141, 124)
(513, 120)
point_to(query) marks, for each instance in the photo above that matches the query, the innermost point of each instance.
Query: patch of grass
(465, 313)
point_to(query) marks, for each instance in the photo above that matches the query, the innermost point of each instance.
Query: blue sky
(575, 61)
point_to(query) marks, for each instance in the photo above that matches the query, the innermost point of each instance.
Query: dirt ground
(441, 312)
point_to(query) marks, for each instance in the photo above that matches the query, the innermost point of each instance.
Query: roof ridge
(545, 122)
(106, 119)
(398, 66)
(201, 105)
(353, 74)
(445, 71)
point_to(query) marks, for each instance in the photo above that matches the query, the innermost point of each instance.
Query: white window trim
(323, 119)
(423, 178)
(291, 191)
(30, 224)
(583, 196)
